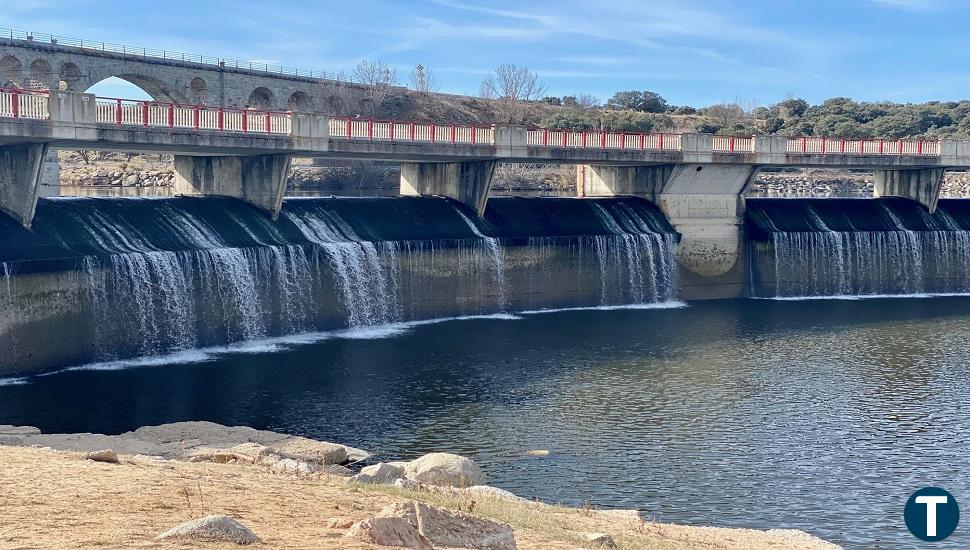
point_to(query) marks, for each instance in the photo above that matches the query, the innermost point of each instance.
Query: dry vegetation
(60, 500)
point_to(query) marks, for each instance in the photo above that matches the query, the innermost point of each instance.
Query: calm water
(821, 415)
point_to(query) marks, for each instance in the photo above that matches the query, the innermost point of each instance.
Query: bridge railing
(734, 144)
(837, 146)
(397, 131)
(16, 103)
(150, 114)
(546, 137)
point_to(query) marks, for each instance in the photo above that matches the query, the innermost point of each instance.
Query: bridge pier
(921, 185)
(258, 180)
(21, 166)
(465, 182)
(703, 202)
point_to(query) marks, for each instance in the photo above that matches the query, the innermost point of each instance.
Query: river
(822, 415)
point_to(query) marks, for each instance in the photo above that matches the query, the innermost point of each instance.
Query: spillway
(100, 279)
(857, 247)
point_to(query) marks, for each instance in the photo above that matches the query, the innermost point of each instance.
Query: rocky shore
(203, 485)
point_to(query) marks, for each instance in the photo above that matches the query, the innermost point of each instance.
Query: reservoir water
(822, 415)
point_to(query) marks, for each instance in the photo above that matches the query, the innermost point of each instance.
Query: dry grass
(60, 500)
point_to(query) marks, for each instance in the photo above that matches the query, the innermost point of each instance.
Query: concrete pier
(258, 180)
(20, 173)
(466, 182)
(921, 185)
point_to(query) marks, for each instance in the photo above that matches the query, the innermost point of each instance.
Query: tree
(512, 92)
(378, 76)
(423, 80)
(792, 108)
(646, 101)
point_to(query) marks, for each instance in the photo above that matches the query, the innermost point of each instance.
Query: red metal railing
(546, 137)
(17, 103)
(152, 114)
(404, 131)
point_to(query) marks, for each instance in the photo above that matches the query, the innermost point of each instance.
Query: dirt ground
(56, 499)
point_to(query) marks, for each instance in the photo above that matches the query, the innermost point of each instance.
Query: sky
(691, 52)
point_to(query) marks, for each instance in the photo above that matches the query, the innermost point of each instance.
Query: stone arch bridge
(57, 63)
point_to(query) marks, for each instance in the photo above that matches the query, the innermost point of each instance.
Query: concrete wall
(466, 182)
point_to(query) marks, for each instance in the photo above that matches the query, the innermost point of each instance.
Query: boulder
(445, 469)
(250, 452)
(600, 540)
(311, 450)
(453, 529)
(290, 466)
(389, 531)
(379, 473)
(14, 435)
(104, 455)
(212, 528)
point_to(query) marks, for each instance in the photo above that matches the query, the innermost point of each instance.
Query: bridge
(697, 179)
(233, 128)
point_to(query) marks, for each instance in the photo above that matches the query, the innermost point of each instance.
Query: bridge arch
(261, 98)
(41, 74)
(299, 101)
(155, 88)
(11, 72)
(336, 106)
(199, 88)
(68, 77)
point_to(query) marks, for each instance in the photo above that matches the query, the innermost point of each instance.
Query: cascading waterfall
(636, 263)
(493, 247)
(159, 275)
(879, 247)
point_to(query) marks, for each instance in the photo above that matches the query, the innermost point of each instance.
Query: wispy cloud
(909, 5)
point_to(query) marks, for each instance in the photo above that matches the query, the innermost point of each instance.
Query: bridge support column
(20, 172)
(705, 205)
(258, 180)
(610, 181)
(466, 182)
(921, 185)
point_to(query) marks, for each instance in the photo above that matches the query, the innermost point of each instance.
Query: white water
(172, 282)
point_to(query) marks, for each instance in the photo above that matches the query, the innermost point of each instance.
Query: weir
(853, 247)
(103, 279)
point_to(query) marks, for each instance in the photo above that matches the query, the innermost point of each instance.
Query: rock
(453, 529)
(379, 473)
(250, 452)
(212, 528)
(445, 469)
(338, 523)
(14, 435)
(389, 531)
(104, 455)
(538, 452)
(600, 540)
(406, 484)
(290, 466)
(335, 470)
(312, 450)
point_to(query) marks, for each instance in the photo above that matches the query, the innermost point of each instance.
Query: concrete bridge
(698, 180)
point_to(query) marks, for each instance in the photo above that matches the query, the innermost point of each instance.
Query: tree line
(514, 94)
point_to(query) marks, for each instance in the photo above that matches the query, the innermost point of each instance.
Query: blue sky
(691, 52)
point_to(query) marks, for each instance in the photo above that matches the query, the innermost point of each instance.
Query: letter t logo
(931, 502)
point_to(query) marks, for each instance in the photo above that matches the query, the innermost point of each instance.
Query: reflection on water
(817, 415)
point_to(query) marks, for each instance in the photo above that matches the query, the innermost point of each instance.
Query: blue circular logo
(931, 514)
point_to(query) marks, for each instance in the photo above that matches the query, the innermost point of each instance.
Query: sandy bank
(59, 499)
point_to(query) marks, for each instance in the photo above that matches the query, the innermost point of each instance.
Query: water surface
(817, 415)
